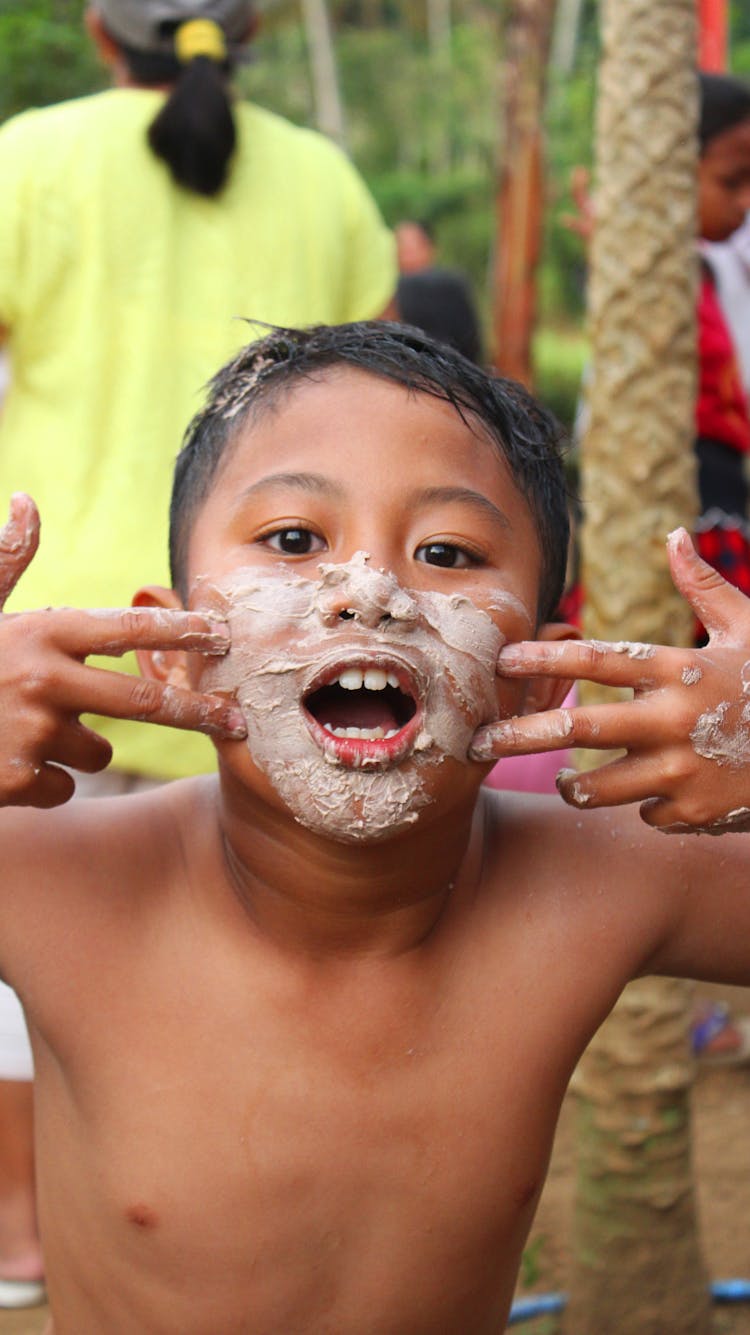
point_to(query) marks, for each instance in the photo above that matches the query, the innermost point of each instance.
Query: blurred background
(413, 91)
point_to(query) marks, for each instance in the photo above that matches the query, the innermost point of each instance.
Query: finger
(80, 748)
(715, 602)
(119, 695)
(620, 663)
(19, 540)
(602, 727)
(116, 631)
(616, 784)
(41, 786)
(669, 817)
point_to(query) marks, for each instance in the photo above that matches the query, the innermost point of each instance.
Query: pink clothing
(532, 774)
(529, 774)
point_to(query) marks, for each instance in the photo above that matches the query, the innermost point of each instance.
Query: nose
(355, 592)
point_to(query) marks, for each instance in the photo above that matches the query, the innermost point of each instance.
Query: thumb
(715, 602)
(19, 539)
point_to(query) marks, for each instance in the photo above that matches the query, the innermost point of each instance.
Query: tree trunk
(329, 113)
(565, 36)
(528, 32)
(638, 1268)
(439, 45)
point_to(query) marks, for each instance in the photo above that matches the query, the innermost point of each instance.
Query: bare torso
(231, 1141)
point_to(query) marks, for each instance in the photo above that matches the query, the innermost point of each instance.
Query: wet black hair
(526, 435)
(724, 103)
(194, 132)
(440, 302)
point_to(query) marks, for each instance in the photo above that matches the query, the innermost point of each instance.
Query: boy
(302, 1031)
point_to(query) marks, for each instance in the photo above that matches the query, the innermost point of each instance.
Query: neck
(319, 898)
(122, 78)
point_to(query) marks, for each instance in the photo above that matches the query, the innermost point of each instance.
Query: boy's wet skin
(287, 1084)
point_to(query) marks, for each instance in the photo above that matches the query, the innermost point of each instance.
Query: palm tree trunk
(638, 1267)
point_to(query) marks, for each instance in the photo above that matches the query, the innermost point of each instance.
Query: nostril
(346, 614)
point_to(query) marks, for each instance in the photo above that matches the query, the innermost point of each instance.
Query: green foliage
(44, 54)
(531, 1267)
(560, 356)
(422, 133)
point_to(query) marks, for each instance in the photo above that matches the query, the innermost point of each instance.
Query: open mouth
(363, 711)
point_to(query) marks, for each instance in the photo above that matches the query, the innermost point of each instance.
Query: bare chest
(309, 1154)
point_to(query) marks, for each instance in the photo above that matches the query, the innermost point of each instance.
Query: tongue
(356, 709)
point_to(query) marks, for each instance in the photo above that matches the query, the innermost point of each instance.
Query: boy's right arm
(45, 684)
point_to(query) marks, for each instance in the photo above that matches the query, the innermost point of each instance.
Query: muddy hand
(45, 683)
(19, 540)
(686, 732)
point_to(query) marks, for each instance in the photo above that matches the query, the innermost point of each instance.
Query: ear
(106, 47)
(167, 665)
(545, 693)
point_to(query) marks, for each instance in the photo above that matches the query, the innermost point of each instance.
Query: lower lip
(358, 753)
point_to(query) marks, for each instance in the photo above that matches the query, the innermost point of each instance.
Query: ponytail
(194, 132)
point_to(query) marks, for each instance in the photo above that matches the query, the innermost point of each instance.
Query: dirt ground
(721, 1133)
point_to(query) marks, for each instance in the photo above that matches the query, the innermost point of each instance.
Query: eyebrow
(313, 483)
(464, 496)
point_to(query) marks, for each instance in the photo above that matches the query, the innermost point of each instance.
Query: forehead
(731, 148)
(359, 425)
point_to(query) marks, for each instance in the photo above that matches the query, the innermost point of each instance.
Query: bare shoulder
(609, 889)
(590, 872)
(59, 863)
(92, 828)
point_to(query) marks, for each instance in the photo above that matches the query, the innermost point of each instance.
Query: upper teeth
(373, 679)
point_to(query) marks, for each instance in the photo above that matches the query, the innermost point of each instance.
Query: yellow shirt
(123, 293)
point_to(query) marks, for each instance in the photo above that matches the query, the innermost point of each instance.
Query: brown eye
(295, 541)
(444, 554)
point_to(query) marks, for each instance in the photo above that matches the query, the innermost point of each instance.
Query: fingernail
(218, 638)
(236, 725)
(563, 775)
(512, 653)
(483, 747)
(679, 539)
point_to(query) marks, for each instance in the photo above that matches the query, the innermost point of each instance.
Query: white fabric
(16, 1062)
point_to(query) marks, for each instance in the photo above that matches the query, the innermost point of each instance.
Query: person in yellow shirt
(141, 228)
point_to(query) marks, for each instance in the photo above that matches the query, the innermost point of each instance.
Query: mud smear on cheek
(283, 635)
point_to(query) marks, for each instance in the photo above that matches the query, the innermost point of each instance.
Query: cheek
(511, 696)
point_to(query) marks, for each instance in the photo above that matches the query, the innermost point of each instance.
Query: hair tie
(200, 37)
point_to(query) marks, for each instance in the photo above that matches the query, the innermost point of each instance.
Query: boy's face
(372, 554)
(724, 183)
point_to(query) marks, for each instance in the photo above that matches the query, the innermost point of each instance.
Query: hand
(686, 733)
(582, 220)
(45, 684)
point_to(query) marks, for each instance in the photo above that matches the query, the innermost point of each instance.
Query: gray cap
(138, 23)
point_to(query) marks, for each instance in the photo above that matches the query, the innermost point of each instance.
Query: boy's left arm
(685, 733)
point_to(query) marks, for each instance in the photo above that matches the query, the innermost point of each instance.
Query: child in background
(722, 415)
(439, 302)
(302, 1029)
